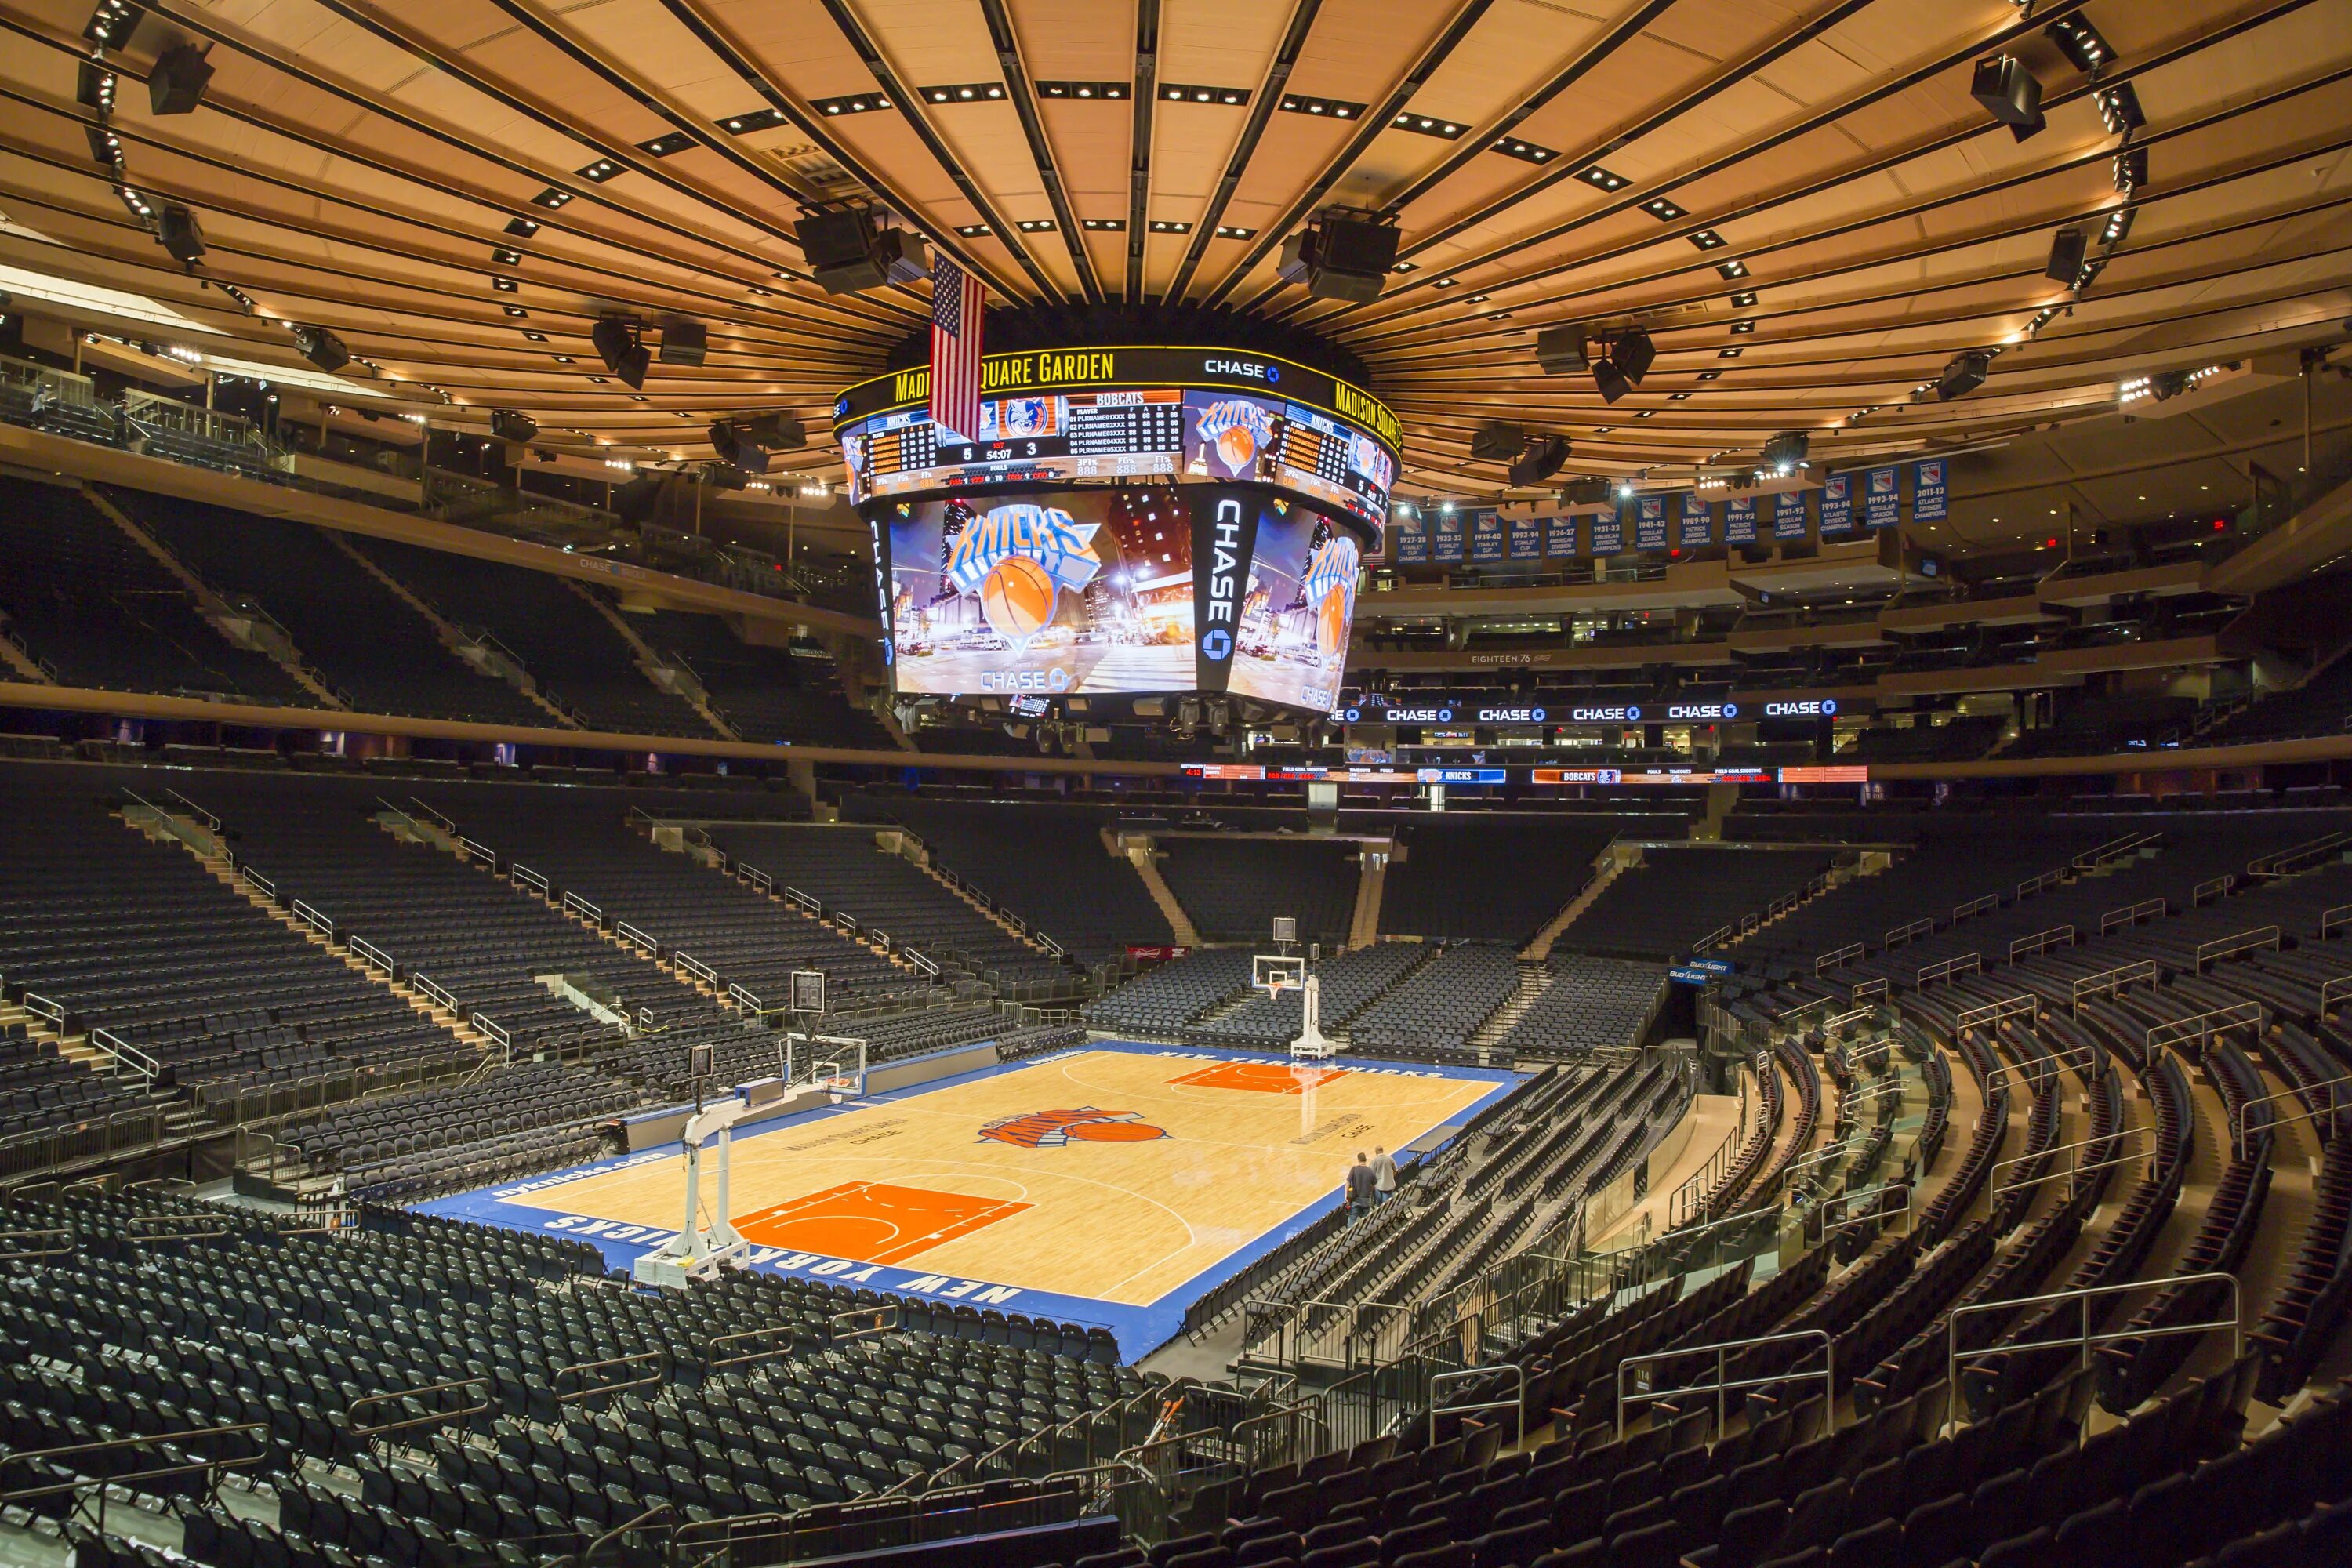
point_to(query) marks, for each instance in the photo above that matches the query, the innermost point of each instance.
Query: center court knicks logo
(1058, 1129)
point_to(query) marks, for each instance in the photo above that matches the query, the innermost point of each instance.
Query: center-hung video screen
(1144, 590)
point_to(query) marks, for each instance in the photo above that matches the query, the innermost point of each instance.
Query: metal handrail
(1517, 1404)
(2099, 854)
(1722, 1384)
(2120, 1135)
(442, 1418)
(1842, 1201)
(1904, 933)
(2237, 1118)
(193, 1227)
(2276, 864)
(2331, 989)
(1823, 962)
(1994, 1012)
(629, 1528)
(2212, 887)
(11, 1253)
(1975, 907)
(712, 1362)
(2206, 1025)
(1961, 964)
(660, 1359)
(1868, 988)
(1953, 1356)
(138, 1440)
(2041, 941)
(2132, 914)
(2223, 947)
(2114, 979)
(2341, 915)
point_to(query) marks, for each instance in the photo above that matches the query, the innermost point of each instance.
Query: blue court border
(1139, 1330)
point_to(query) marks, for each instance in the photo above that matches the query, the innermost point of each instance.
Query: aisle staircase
(1372, 882)
(1620, 858)
(1535, 978)
(665, 674)
(1145, 859)
(467, 650)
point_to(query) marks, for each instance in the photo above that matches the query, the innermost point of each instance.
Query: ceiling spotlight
(2118, 225)
(2009, 93)
(1787, 452)
(105, 146)
(2119, 107)
(2080, 43)
(616, 343)
(112, 24)
(2131, 170)
(1662, 209)
(94, 87)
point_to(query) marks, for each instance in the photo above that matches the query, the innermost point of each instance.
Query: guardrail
(2213, 887)
(2299, 856)
(127, 1057)
(2132, 914)
(2086, 1337)
(495, 1031)
(643, 939)
(755, 878)
(2032, 885)
(657, 1360)
(2203, 1026)
(72, 1458)
(921, 965)
(366, 1433)
(368, 952)
(743, 998)
(695, 967)
(574, 904)
(477, 850)
(1828, 961)
(1994, 1012)
(1516, 1404)
(1723, 1383)
(2114, 849)
(2114, 979)
(1975, 907)
(1904, 933)
(2225, 946)
(1862, 988)
(15, 1247)
(801, 900)
(254, 878)
(2330, 990)
(2041, 941)
(1962, 963)
(2339, 1099)
(324, 924)
(2074, 1165)
(518, 872)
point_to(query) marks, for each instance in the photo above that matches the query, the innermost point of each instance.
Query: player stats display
(1139, 589)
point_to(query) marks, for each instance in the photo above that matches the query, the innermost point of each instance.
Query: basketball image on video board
(1063, 591)
(1229, 437)
(1295, 620)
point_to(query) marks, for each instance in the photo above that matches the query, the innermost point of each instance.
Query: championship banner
(1787, 512)
(1929, 503)
(1560, 535)
(1608, 534)
(1698, 530)
(1882, 497)
(1837, 504)
(1486, 536)
(1739, 520)
(1412, 541)
(1448, 547)
(1526, 539)
(1650, 522)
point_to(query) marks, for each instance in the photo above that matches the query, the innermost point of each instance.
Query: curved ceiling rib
(1802, 202)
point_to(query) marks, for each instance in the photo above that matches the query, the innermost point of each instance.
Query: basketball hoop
(1274, 973)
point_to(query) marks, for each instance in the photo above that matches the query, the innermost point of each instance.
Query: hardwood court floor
(1116, 1176)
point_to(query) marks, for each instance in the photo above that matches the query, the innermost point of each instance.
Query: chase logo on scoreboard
(1058, 1129)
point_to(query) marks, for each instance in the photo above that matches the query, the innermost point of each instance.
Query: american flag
(957, 312)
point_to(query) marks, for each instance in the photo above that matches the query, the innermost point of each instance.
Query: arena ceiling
(1802, 202)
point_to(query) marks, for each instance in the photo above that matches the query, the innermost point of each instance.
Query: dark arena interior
(1175, 783)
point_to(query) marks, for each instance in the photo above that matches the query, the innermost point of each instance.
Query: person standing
(1360, 1188)
(1384, 1175)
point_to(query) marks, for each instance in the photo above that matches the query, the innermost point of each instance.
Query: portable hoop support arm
(694, 1250)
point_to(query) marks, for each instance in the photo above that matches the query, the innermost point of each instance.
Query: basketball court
(1112, 1184)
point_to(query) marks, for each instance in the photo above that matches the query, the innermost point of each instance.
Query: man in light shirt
(1384, 1175)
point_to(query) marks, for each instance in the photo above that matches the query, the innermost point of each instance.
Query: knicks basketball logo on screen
(1058, 1129)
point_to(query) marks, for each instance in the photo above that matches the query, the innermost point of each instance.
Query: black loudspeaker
(777, 432)
(321, 348)
(1590, 491)
(1634, 354)
(2009, 93)
(1561, 350)
(1496, 443)
(684, 341)
(1963, 376)
(1787, 449)
(176, 84)
(1610, 380)
(616, 344)
(898, 255)
(1356, 248)
(2067, 248)
(177, 228)
(1541, 462)
(508, 425)
(735, 447)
